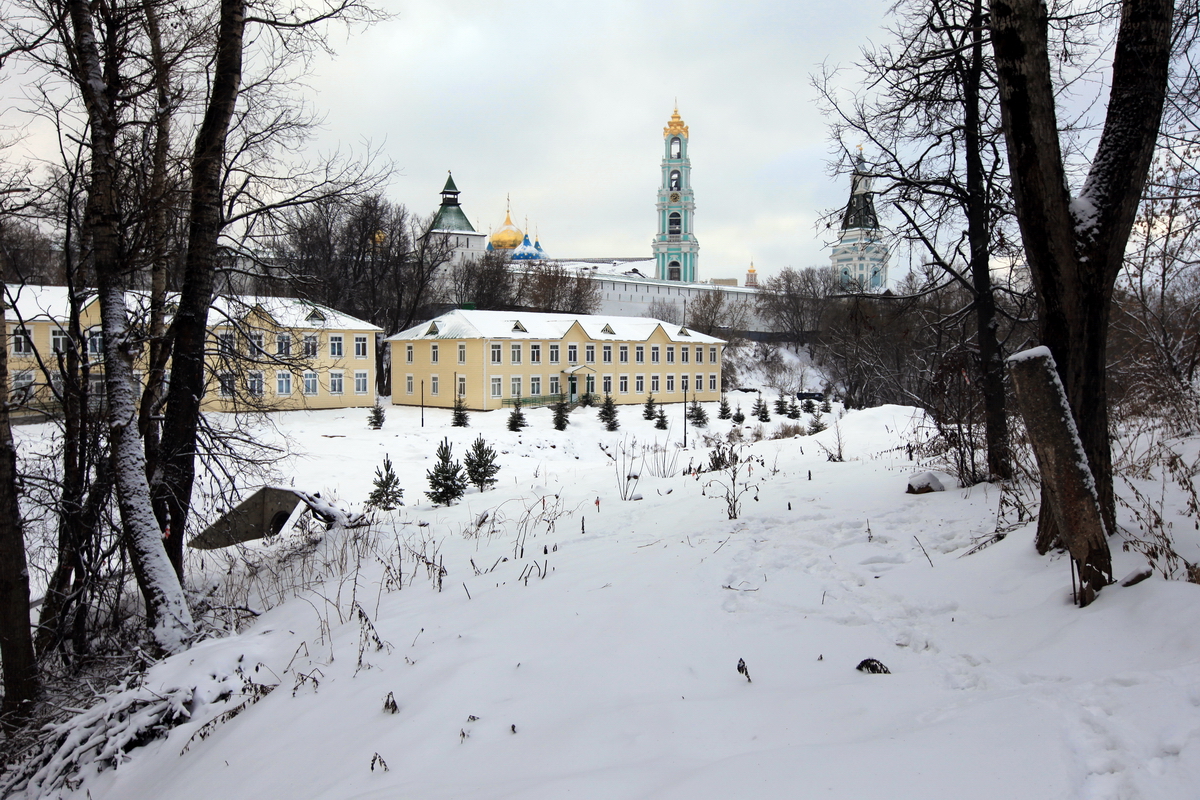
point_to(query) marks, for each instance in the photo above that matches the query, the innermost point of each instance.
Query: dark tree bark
(189, 332)
(1075, 246)
(21, 683)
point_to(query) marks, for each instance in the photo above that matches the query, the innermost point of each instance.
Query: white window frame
(589, 354)
(639, 384)
(572, 354)
(462, 385)
(535, 354)
(409, 384)
(514, 353)
(312, 383)
(655, 352)
(535, 385)
(554, 387)
(606, 384)
(497, 386)
(712, 381)
(283, 384)
(60, 340)
(408, 354)
(623, 384)
(283, 344)
(623, 354)
(462, 352)
(554, 350)
(639, 354)
(258, 344)
(497, 354)
(435, 385)
(226, 384)
(670, 384)
(362, 381)
(606, 354)
(22, 341)
(434, 353)
(654, 384)
(670, 354)
(360, 346)
(337, 382)
(312, 345)
(337, 348)
(514, 386)
(254, 383)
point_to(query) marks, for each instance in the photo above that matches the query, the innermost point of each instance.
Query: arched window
(673, 271)
(676, 147)
(676, 183)
(674, 225)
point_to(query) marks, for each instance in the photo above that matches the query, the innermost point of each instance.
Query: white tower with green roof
(675, 247)
(452, 223)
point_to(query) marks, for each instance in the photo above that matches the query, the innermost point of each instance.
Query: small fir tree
(761, 411)
(447, 482)
(738, 416)
(793, 410)
(660, 419)
(809, 406)
(458, 417)
(781, 405)
(648, 409)
(516, 420)
(376, 416)
(480, 464)
(816, 424)
(387, 493)
(561, 412)
(608, 413)
(697, 414)
(825, 406)
(723, 411)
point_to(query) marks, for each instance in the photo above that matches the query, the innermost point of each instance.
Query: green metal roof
(451, 218)
(450, 187)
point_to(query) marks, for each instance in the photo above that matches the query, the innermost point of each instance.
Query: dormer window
(315, 316)
(433, 329)
(608, 329)
(684, 332)
(517, 326)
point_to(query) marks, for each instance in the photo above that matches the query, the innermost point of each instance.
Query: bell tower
(675, 247)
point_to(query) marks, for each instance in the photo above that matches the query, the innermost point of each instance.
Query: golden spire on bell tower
(675, 125)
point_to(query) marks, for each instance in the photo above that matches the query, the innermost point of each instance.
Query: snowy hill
(590, 650)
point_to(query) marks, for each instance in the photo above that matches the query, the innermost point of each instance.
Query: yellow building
(492, 358)
(266, 353)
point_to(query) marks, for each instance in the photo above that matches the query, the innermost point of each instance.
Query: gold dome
(675, 125)
(507, 236)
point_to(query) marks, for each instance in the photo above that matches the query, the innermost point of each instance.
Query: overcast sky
(562, 105)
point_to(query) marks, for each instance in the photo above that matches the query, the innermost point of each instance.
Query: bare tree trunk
(21, 683)
(177, 472)
(1075, 246)
(166, 608)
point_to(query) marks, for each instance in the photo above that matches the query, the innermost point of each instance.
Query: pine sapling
(376, 416)
(761, 411)
(793, 410)
(816, 424)
(458, 417)
(660, 419)
(723, 411)
(825, 406)
(809, 406)
(781, 405)
(608, 413)
(387, 493)
(480, 464)
(516, 420)
(648, 409)
(738, 416)
(561, 412)
(697, 414)
(447, 482)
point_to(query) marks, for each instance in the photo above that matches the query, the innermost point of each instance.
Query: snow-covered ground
(587, 647)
